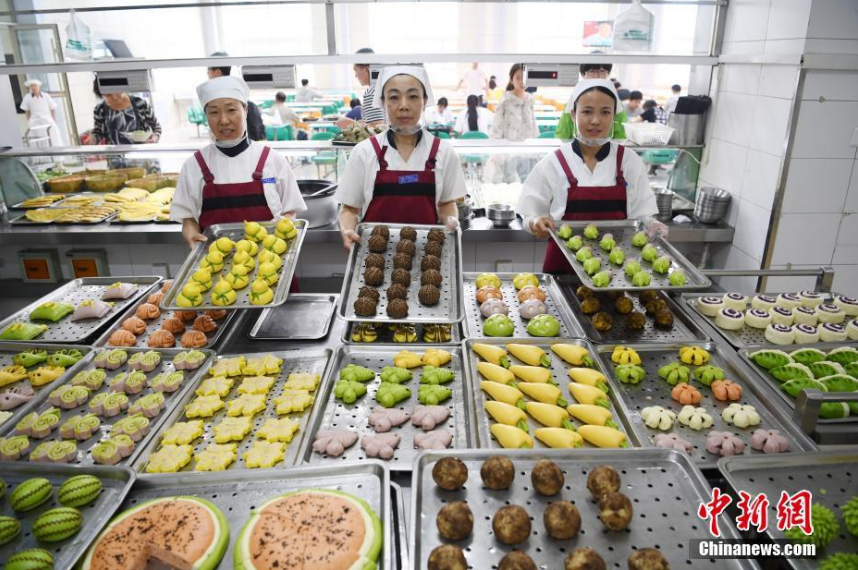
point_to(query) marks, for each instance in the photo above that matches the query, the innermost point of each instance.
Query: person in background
(439, 114)
(118, 115)
(286, 116)
(495, 91)
(475, 118)
(475, 82)
(649, 111)
(633, 107)
(371, 115)
(255, 127)
(355, 112)
(670, 105)
(515, 120)
(566, 128)
(41, 110)
(305, 94)
(623, 95)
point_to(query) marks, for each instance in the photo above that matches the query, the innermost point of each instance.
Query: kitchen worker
(404, 175)
(590, 178)
(41, 110)
(233, 179)
(566, 125)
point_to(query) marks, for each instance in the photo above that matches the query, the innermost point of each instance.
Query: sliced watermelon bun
(313, 529)
(184, 532)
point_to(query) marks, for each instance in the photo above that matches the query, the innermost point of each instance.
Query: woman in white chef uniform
(590, 178)
(405, 175)
(41, 111)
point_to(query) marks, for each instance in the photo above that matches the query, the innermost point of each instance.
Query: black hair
(585, 67)
(473, 113)
(225, 70)
(616, 83)
(650, 104)
(512, 71)
(600, 89)
(636, 95)
(623, 94)
(280, 97)
(95, 88)
(676, 87)
(443, 101)
(493, 83)
(364, 50)
(305, 82)
(354, 103)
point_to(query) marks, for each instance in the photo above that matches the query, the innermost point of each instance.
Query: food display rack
(664, 485)
(654, 391)
(66, 331)
(473, 323)
(302, 317)
(559, 369)
(830, 476)
(331, 413)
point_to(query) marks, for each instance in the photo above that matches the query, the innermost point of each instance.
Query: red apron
(403, 196)
(587, 203)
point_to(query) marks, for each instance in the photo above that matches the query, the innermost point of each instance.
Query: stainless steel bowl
(711, 204)
(501, 215)
(322, 208)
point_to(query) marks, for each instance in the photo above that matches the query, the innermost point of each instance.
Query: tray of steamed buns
(806, 317)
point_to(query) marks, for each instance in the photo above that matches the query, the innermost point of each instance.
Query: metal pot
(322, 208)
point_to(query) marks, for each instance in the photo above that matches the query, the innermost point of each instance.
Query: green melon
(30, 559)
(9, 529)
(78, 491)
(57, 524)
(30, 494)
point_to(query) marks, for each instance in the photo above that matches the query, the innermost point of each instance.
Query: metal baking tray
(20, 205)
(623, 231)
(313, 361)
(831, 476)
(448, 310)
(115, 485)
(398, 521)
(684, 328)
(653, 391)
(557, 307)
(333, 413)
(745, 336)
(302, 317)
(664, 486)
(155, 324)
(235, 232)
(66, 331)
(386, 335)
(236, 494)
(776, 386)
(84, 448)
(8, 350)
(559, 368)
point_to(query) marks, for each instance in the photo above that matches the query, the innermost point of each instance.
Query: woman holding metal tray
(405, 175)
(591, 178)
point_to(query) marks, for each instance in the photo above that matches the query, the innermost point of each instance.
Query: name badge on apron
(409, 179)
(269, 181)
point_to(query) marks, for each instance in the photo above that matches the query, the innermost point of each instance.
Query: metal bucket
(689, 129)
(664, 201)
(711, 205)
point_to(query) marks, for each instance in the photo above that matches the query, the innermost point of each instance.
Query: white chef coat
(358, 181)
(278, 181)
(41, 109)
(434, 117)
(484, 121)
(544, 192)
(475, 82)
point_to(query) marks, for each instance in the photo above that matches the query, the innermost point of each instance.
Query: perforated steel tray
(684, 328)
(623, 231)
(400, 530)
(386, 335)
(448, 310)
(84, 448)
(87, 288)
(236, 494)
(557, 307)
(559, 369)
(311, 361)
(115, 485)
(334, 414)
(664, 486)
(235, 232)
(831, 476)
(654, 391)
(301, 317)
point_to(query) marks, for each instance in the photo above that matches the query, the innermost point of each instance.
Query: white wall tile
(845, 254)
(806, 239)
(769, 126)
(784, 47)
(734, 113)
(743, 79)
(836, 19)
(846, 47)
(747, 20)
(848, 234)
(852, 196)
(787, 284)
(788, 19)
(744, 48)
(825, 129)
(752, 227)
(845, 280)
(778, 81)
(725, 166)
(817, 185)
(832, 85)
(733, 258)
(521, 255)
(762, 171)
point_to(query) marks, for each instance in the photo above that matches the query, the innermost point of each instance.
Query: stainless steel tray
(301, 317)
(313, 361)
(664, 485)
(236, 494)
(776, 386)
(155, 324)
(115, 481)
(623, 231)
(654, 391)
(557, 307)
(398, 522)
(68, 332)
(333, 413)
(684, 328)
(20, 205)
(831, 476)
(84, 448)
(559, 368)
(235, 232)
(448, 310)
(386, 335)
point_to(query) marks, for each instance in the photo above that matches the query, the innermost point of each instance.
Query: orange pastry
(173, 325)
(216, 314)
(194, 339)
(162, 339)
(531, 292)
(122, 337)
(185, 315)
(148, 311)
(134, 325)
(166, 286)
(488, 292)
(155, 298)
(205, 323)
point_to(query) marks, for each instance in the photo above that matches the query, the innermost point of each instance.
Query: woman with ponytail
(475, 119)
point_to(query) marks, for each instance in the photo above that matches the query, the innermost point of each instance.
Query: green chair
(279, 133)
(196, 117)
(323, 136)
(474, 135)
(547, 134)
(442, 134)
(327, 158)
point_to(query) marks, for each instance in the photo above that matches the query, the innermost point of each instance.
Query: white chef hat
(33, 81)
(417, 72)
(586, 85)
(225, 87)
